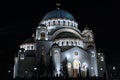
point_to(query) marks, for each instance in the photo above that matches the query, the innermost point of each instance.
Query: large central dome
(58, 13)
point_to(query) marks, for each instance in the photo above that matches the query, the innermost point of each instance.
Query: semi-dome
(29, 40)
(67, 35)
(58, 13)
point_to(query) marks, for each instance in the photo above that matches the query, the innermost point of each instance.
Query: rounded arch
(84, 69)
(42, 35)
(66, 30)
(76, 64)
(84, 66)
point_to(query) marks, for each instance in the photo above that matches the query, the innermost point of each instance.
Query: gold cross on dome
(58, 5)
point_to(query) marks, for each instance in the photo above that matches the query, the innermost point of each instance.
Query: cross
(58, 5)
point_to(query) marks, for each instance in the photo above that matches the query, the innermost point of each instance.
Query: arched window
(67, 43)
(28, 47)
(90, 38)
(84, 66)
(69, 65)
(76, 43)
(84, 69)
(76, 64)
(68, 23)
(53, 22)
(76, 67)
(62, 43)
(22, 57)
(48, 23)
(58, 22)
(101, 58)
(42, 36)
(72, 24)
(63, 23)
(32, 47)
(71, 43)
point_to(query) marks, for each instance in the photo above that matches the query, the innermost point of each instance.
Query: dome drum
(69, 42)
(60, 22)
(29, 46)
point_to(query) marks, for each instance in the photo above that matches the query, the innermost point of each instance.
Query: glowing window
(19, 50)
(114, 68)
(43, 36)
(76, 64)
(101, 69)
(101, 58)
(92, 54)
(22, 57)
(72, 43)
(91, 67)
(98, 53)
(69, 65)
(35, 68)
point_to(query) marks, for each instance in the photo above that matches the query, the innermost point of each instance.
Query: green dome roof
(58, 13)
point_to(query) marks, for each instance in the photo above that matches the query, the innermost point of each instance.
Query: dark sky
(19, 19)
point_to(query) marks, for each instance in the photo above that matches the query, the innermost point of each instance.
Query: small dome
(58, 13)
(29, 40)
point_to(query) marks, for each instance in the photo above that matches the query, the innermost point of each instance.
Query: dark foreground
(63, 78)
(92, 78)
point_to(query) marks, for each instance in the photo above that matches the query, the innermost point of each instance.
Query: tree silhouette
(51, 67)
(79, 72)
(104, 75)
(64, 68)
(88, 73)
(42, 65)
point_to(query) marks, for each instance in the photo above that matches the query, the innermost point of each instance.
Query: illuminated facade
(59, 48)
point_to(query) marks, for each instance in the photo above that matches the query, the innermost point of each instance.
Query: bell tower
(91, 48)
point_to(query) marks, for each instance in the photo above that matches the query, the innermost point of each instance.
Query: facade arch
(66, 30)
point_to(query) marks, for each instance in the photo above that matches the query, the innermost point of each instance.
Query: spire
(58, 5)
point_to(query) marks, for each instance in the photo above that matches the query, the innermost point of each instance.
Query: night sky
(19, 19)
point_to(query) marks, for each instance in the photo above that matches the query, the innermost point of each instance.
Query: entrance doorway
(76, 67)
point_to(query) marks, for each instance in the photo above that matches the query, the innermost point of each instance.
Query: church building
(59, 49)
